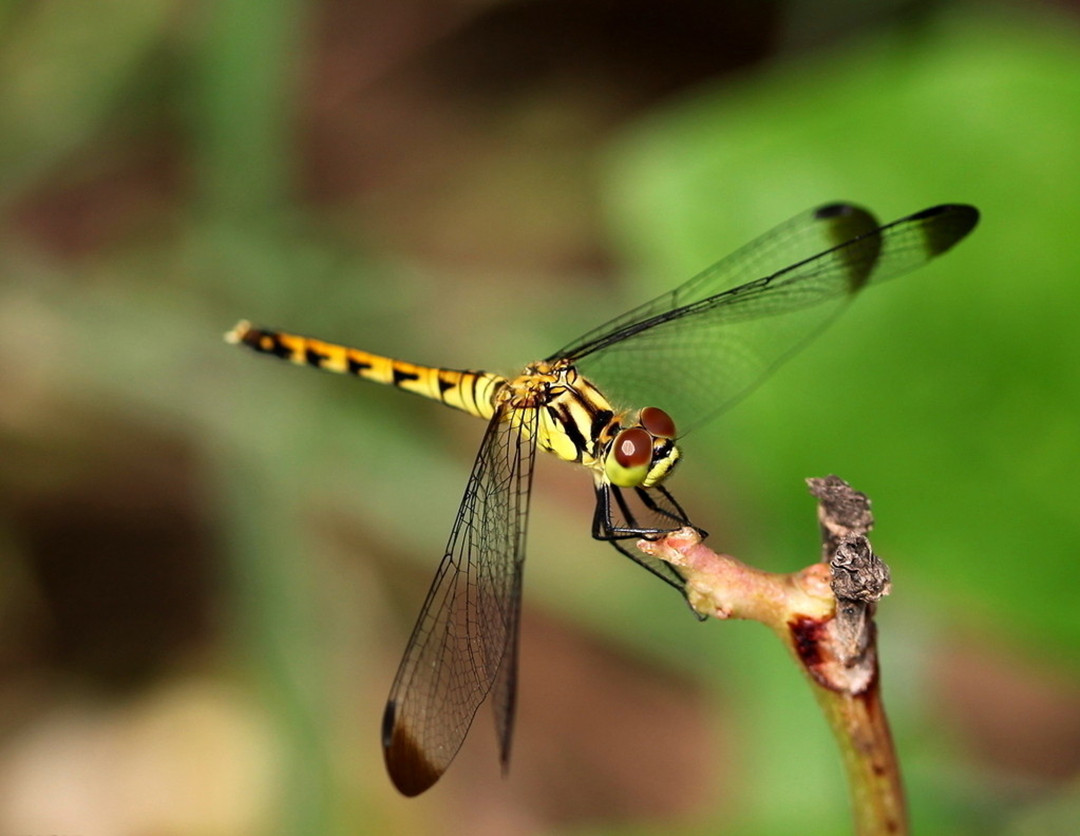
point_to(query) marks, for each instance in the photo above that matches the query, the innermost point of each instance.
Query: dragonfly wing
(465, 640)
(793, 241)
(700, 348)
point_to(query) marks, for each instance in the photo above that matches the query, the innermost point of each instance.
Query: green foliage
(950, 396)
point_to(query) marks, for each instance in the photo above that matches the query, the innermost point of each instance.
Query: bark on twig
(824, 614)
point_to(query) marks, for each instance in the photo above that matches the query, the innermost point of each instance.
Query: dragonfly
(618, 402)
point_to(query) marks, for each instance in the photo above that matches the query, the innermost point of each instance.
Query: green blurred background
(210, 562)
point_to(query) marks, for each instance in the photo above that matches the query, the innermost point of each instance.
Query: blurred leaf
(1056, 816)
(244, 100)
(64, 67)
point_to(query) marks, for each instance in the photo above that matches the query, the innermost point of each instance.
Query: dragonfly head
(644, 453)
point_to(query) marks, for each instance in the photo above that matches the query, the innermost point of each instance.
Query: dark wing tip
(946, 225)
(845, 222)
(408, 766)
(836, 210)
(855, 233)
(849, 227)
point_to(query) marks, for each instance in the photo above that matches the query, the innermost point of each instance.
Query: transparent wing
(465, 640)
(699, 348)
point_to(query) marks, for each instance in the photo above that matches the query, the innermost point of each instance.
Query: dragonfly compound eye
(629, 458)
(657, 422)
(633, 448)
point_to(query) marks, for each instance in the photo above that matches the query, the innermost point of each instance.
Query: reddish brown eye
(657, 422)
(633, 448)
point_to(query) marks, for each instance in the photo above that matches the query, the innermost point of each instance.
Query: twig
(824, 615)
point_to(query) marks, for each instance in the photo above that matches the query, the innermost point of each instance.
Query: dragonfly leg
(604, 528)
(615, 519)
(672, 512)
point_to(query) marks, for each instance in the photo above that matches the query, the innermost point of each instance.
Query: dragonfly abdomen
(470, 391)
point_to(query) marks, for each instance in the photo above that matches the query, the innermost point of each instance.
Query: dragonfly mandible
(616, 401)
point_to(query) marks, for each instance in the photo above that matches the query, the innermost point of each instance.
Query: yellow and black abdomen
(469, 391)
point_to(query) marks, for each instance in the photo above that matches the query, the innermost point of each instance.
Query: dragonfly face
(644, 453)
(696, 350)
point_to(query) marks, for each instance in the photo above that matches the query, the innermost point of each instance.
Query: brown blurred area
(414, 125)
(461, 136)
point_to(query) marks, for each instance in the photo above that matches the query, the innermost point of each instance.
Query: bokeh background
(210, 562)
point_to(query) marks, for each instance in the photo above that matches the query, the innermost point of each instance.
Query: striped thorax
(578, 424)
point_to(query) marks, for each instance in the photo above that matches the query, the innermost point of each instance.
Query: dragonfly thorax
(576, 422)
(570, 415)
